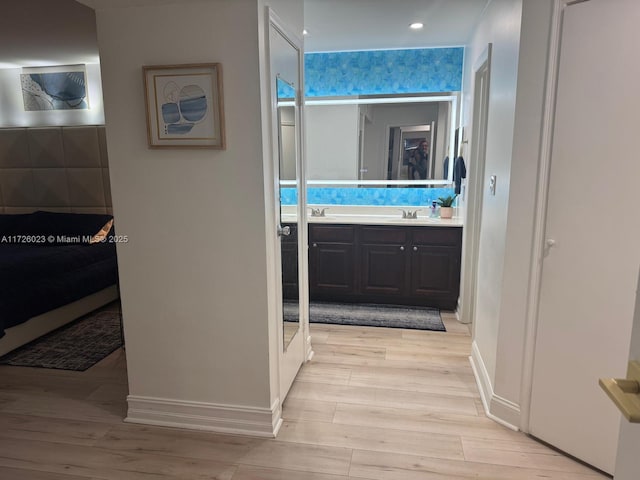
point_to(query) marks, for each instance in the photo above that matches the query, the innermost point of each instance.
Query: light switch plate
(492, 184)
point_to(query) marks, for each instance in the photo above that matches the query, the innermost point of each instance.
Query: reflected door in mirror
(287, 160)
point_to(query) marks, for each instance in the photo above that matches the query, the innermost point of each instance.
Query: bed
(54, 267)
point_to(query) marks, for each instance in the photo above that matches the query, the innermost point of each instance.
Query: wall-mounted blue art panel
(377, 72)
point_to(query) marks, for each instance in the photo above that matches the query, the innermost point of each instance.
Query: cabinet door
(331, 260)
(384, 270)
(383, 264)
(290, 263)
(331, 268)
(435, 271)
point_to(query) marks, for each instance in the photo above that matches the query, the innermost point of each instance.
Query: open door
(285, 54)
(592, 248)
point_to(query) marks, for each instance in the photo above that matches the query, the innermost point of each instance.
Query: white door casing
(475, 190)
(591, 254)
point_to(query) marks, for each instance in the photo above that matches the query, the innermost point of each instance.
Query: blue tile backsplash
(375, 72)
(366, 196)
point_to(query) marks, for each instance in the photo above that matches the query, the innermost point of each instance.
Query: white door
(628, 462)
(285, 53)
(590, 269)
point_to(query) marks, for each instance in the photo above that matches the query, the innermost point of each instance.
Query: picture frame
(184, 106)
(59, 87)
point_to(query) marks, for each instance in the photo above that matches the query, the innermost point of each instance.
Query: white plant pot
(446, 212)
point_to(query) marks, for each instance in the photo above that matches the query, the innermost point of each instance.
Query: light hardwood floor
(373, 404)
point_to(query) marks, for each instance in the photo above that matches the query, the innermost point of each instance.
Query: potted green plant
(446, 205)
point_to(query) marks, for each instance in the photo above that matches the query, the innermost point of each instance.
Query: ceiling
(58, 32)
(335, 25)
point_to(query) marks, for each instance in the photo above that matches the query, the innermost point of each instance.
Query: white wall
(518, 30)
(332, 142)
(196, 324)
(37, 33)
(12, 113)
(500, 26)
(536, 21)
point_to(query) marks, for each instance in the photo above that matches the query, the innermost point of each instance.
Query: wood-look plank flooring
(373, 404)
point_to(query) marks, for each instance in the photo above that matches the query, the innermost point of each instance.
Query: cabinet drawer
(437, 236)
(393, 235)
(332, 233)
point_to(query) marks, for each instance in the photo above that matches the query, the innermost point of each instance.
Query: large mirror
(384, 139)
(284, 65)
(287, 151)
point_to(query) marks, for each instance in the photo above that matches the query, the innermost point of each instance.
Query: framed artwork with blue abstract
(184, 106)
(62, 87)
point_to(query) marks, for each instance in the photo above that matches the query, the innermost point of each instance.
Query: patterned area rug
(76, 346)
(371, 315)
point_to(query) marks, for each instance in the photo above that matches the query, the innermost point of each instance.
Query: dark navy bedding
(36, 278)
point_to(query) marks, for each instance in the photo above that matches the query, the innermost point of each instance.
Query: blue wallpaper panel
(375, 72)
(366, 196)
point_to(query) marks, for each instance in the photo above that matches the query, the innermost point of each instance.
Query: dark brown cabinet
(405, 265)
(383, 262)
(435, 265)
(332, 259)
(289, 258)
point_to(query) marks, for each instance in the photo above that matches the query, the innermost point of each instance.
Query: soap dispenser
(434, 210)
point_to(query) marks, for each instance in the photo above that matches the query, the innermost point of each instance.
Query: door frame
(540, 215)
(477, 162)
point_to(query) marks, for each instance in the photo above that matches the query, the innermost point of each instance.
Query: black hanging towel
(459, 172)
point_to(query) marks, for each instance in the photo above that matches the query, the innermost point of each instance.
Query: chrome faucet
(318, 212)
(410, 214)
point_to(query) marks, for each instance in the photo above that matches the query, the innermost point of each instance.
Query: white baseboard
(498, 409)
(309, 349)
(240, 420)
(506, 411)
(459, 314)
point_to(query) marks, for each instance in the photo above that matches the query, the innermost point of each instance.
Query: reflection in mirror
(287, 148)
(290, 302)
(411, 153)
(286, 129)
(380, 140)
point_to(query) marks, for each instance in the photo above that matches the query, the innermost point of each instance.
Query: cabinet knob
(402, 249)
(315, 245)
(415, 249)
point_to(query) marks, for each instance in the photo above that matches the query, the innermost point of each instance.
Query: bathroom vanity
(368, 259)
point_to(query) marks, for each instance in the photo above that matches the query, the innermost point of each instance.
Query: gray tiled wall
(61, 169)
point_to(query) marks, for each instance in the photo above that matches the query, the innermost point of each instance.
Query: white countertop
(366, 215)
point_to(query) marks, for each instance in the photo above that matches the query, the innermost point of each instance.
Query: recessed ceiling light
(304, 32)
(416, 26)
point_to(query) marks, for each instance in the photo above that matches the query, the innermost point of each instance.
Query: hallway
(372, 404)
